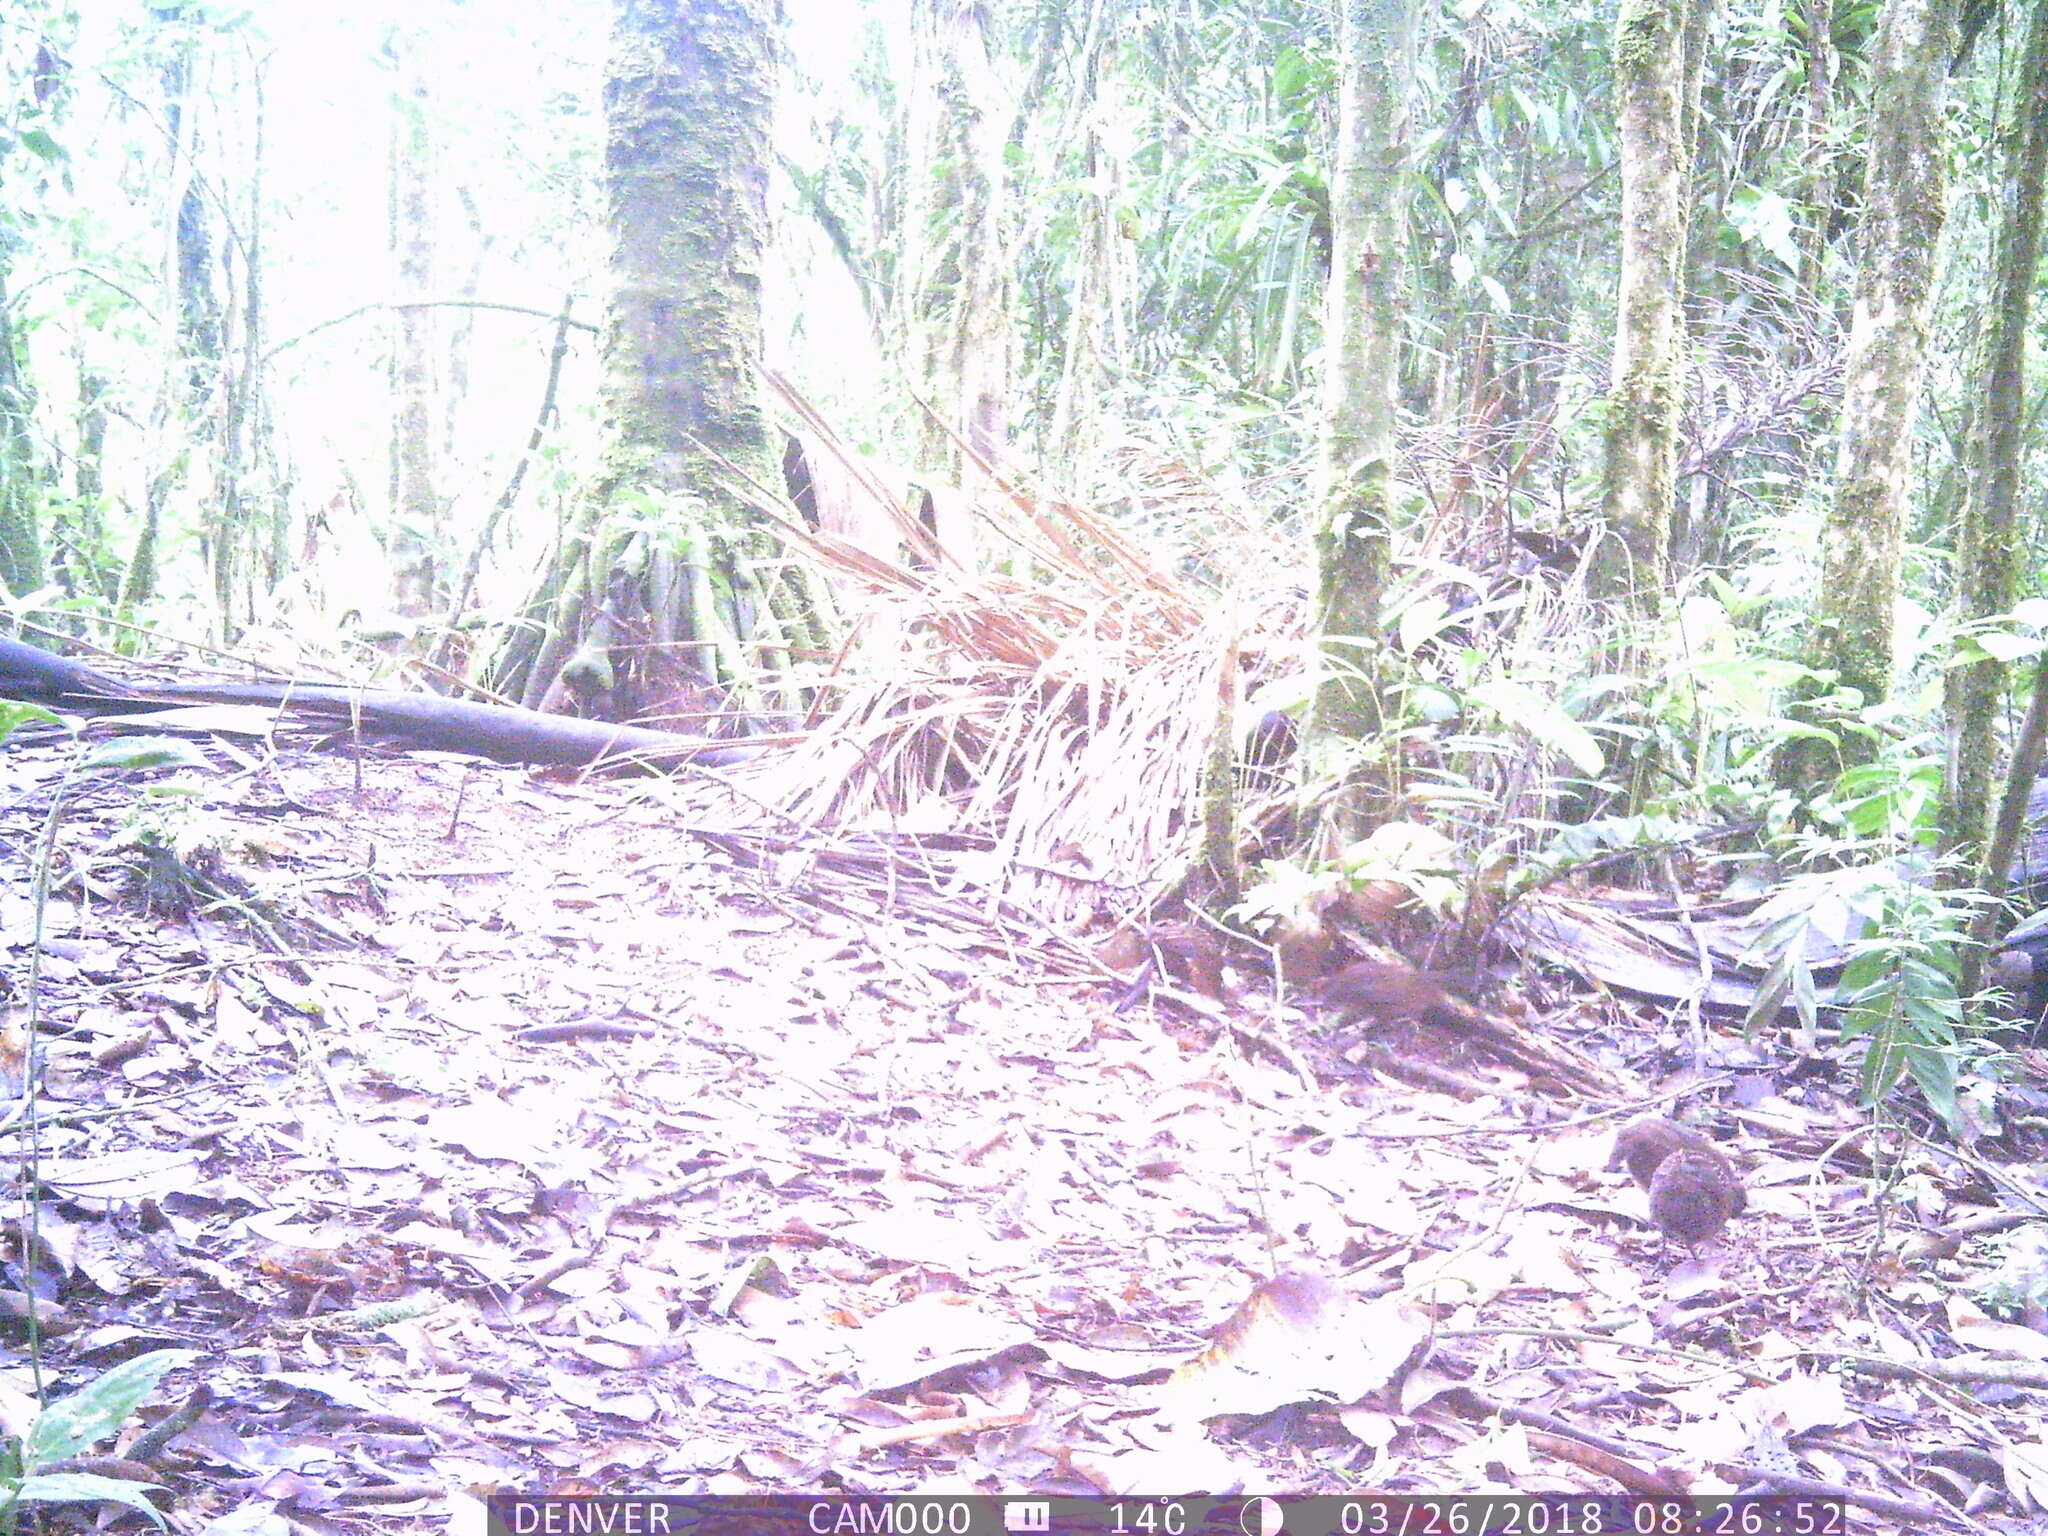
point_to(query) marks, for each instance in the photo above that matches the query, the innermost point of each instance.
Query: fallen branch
(419, 720)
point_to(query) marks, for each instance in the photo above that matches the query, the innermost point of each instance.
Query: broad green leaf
(129, 754)
(1545, 721)
(1794, 730)
(1769, 996)
(1883, 1063)
(86, 1488)
(1935, 1071)
(1290, 73)
(1496, 204)
(1435, 704)
(1764, 218)
(2002, 645)
(1422, 621)
(14, 715)
(1399, 846)
(1804, 996)
(96, 1410)
(1287, 890)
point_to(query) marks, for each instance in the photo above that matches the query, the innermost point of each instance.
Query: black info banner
(1243, 1515)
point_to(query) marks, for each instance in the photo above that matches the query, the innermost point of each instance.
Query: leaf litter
(558, 1149)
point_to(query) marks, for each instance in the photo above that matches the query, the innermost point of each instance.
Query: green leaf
(1437, 705)
(95, 1411)
(1804, 995)
(1544, 721)
(1765, 219)
(14, 715)
(1287, 891)
(1999, 645)
(1496, 204)
(1770, 995)
(1291, 73)
(1883, 1064)
(1793, 730)
(129, 754)
(85, 1488)
(1935, 1072)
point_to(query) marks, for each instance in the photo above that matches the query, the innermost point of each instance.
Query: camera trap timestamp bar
(1242, 1515)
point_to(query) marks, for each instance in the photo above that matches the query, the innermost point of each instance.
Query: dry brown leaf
(1297, 1337)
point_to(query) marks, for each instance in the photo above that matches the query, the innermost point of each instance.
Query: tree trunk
(1648, 379)
(1085, 352)
(1376, 43)
(416, 533)
(89, 469)
(1696, 536)
(1986, 551)
(958, 316)
(461, 339)
(1901, 232)
(688, 96)
(673, 579)
(254, 486)
(1818, 179)
(186, 419)
(21, 490)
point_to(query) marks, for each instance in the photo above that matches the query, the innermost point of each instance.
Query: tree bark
(1904, 189)
(416, 532)
(664, 560)
(1362, 330)
(1817, 159)
(1987, 540)
(1648, 379)
(21, 495)
(957, 323)
(1697, 509)
(688, 99)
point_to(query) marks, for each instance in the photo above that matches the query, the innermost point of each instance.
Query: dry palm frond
(1005, 748)
(1057, 717)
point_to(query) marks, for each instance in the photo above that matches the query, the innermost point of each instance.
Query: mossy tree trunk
(1988, 539)
(34, 48)
(1362, 327)
(1904, 190)
(1817, 156)
(21, 478)
(656, 593)
(957, 318)
(186, 416)
(1648, 379)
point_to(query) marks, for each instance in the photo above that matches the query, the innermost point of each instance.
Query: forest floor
(555, 1153)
